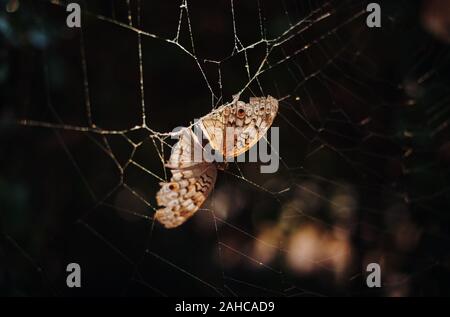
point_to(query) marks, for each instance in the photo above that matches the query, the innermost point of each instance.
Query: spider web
(358, 180)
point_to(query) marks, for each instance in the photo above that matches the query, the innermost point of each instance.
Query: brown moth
(231, 129)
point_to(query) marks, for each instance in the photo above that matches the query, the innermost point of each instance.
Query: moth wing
(234, 128)
(187, 152)
(186, 192)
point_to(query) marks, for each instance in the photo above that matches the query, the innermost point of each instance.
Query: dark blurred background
(364, 143)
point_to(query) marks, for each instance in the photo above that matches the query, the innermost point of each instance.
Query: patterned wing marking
(184, 194)
(234, 128)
